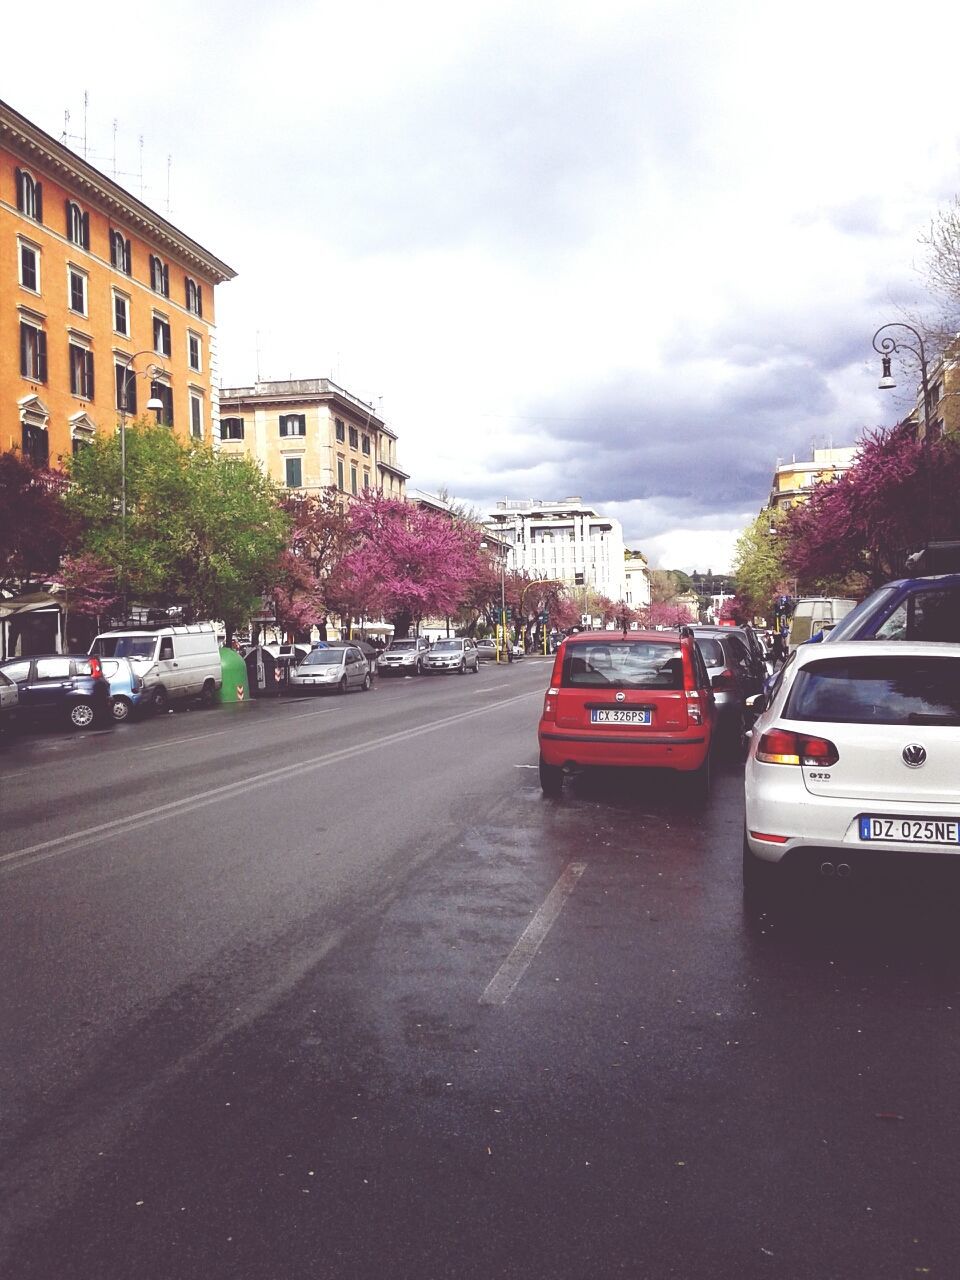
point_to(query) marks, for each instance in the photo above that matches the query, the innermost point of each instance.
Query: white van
(175, 663)
(816, 613)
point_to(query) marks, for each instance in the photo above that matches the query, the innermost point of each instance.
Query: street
(325, 987)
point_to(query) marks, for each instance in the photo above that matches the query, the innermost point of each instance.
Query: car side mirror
(756, 703)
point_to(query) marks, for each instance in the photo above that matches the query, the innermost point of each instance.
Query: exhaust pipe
(844, 870)
(827, 869)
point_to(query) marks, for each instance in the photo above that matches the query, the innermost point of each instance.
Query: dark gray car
(735, 675)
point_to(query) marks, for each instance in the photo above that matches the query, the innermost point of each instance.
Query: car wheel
(463, 666)
(761, 880)
(419, 667)
(367, 683)
(206, 694)
(81, 715)
(551, 778)
(120, 708)
(737, 740)
(342, 686)
(698, 781)
(161, 699)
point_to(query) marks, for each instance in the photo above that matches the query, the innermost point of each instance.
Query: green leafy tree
(758, 565)
(202, 531)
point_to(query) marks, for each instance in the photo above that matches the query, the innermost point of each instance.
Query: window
(902, 691)
(293, 424)
(159, 276)
(196, 415)
(339, 473)
(77, 288)
(78, 225)
(79, 442)
(194, 350)
(121, 314)
(354, 438)
(81, 371)
(353, 479)
(29, 267)
(162, 392)
(231, 428)
(33, 352)
(365, 441)
(120, 252)
(194, 294)
(36, 445)
(161, 335)
(126, 376)
(366, 480)
(294, 472)
(29, 195)
(338, 425)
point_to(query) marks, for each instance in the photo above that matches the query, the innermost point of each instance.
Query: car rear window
(624, 665)
(712, 651)
(323, 658)
(880, 690)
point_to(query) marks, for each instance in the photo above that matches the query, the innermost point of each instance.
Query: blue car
(926, 608)
(127, 689)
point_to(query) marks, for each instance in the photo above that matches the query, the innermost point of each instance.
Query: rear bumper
(623, 751)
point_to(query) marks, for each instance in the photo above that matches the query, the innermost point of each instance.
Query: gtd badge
(914, 755)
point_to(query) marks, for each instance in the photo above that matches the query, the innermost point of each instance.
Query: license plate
(911, 830)
(621, 715)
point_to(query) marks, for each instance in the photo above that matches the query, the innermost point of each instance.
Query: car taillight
(95, 669)
(550, 703)
(783, 746)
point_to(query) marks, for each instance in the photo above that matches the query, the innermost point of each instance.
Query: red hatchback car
(641, 700)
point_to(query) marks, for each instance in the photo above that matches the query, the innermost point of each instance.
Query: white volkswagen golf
(854, 763)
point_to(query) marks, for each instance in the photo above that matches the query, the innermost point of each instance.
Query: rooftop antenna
(86, 100)
(169, 167)
(66, 125)
(141, 166)
(114, 150)
(258, 355)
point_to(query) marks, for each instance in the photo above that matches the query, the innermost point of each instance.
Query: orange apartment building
(99, 296)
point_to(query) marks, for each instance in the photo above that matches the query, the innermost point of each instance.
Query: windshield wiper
(932, 717)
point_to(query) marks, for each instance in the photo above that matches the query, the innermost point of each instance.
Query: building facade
(566, 541)
(104, 304)
(309, 434)
(792, 481)
(636, 573)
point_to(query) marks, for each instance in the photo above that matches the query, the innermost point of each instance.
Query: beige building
(637, 576)
(310, 434)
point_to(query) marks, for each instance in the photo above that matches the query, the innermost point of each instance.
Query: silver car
(452, 655)
(9, 702)
(337, 668)
(404, 657)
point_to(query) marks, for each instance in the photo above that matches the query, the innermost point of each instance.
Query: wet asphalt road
(264, 1015)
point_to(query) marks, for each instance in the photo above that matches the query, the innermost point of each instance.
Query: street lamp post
(886, 348)
(155, 405)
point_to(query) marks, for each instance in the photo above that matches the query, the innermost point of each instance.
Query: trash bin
(235, 686)
(262, 672)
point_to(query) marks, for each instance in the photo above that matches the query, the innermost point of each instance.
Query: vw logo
(620, 695)
(914, 755)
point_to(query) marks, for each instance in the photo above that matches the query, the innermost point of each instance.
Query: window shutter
(24, 349)
(166, 280)
(38, 190)
(85, 229)
(69, 219)
(89, 364)
(199, 300)
(20, 199)
(41, 356)
(186, 291)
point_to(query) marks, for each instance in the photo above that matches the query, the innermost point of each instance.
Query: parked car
(127, 689)
(487, 650)
(175, 663)
(404, 657)
(70, 687)
(641, 700)
(926, 608)
(454, 654)
(517, 650)
(853, 764)
(9, 702)
(336, 668)
(814, 615)
(735, 675)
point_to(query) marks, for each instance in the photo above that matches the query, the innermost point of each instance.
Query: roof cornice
(37, 147)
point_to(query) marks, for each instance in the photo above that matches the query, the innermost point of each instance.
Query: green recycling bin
(235, 687)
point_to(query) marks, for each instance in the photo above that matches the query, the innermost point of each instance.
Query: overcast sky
(631, 251)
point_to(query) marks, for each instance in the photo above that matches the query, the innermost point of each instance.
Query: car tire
(161, 699)
(551, 778)
(81, 715)
(342, 686)
(698, 782)
(737, 737)
(367, 683)
(120, 708)
(761, 880)
(463, 666)
(419, 670)
(207, 693)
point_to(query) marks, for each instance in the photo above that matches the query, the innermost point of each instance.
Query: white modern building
(563, 540)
